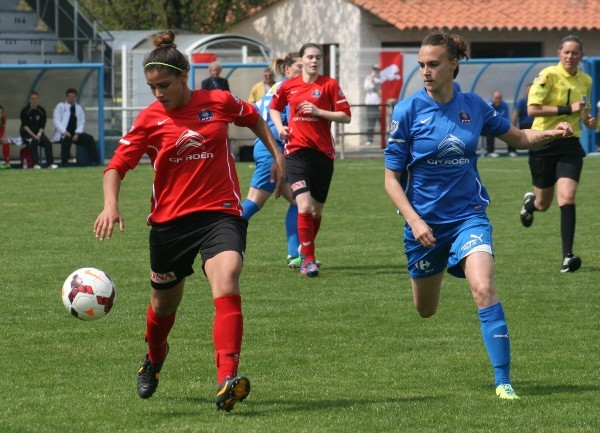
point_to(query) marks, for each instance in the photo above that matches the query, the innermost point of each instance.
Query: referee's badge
(464, 117)
(540, 80)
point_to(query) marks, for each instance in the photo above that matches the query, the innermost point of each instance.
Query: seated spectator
(33, 122)
(69, 123)
(261, 88)
(215, 81)
(6, 141)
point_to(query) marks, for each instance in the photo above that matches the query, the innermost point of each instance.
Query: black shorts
(174, 245)
(546, 170)
(309, 170)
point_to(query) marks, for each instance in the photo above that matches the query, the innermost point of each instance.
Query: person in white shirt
(372, 88)
(69, 123)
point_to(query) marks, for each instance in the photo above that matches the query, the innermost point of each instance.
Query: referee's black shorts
(309, 170)
(546, 170)
(174, 245)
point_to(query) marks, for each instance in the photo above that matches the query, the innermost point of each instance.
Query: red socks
(157, 331)
(306, 233)
(227, 335)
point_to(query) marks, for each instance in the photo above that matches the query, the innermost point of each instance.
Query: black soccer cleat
(148, 377)
(527, 217)
(231, 391)
(570, 264)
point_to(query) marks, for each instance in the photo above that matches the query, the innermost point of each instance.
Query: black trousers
(46, 144)
(83, 139)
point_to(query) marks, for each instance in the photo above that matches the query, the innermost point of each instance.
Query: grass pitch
(342, 353)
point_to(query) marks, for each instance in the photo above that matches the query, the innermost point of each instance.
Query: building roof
(563, 15)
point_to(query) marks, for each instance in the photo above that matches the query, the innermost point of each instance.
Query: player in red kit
(195, 208)
(315, 101)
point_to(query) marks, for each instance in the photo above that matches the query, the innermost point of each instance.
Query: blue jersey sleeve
(493, 122)
(397, 151)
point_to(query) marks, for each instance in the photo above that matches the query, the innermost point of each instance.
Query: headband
(162, 64)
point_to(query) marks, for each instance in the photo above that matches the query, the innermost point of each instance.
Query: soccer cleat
(148, 377)
(506, 392)
(231, 391)
(309, 269)
(17, 141)
(527, 217)
(294, 262)
(53, 166)
(570, 264)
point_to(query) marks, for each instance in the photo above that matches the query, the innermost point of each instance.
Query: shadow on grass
(267, 407)
(534, 388)
(368, 269)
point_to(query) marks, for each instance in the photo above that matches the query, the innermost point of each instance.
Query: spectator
(3, 140)
(215, 81)
(501, 107)
(6, 141)
(372, 86)
(33, 121)
(69, 123)
(520, 118)
(261, 88)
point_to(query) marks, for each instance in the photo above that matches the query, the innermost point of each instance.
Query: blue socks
(496, 341)
(249, 209)
(291, 230)
(291, 224)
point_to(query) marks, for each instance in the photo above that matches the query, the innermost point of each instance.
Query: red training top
(305, 129)
(188, 147)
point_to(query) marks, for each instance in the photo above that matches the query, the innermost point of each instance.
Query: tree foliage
(199, 16)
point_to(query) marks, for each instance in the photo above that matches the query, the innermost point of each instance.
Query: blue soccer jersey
(434, 146)
(263, 108)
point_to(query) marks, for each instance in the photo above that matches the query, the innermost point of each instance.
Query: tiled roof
(562, 15)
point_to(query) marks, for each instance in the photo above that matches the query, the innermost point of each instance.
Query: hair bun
(165, 40)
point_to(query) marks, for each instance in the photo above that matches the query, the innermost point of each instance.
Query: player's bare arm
(105, 223)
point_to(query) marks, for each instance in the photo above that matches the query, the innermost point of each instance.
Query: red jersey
(194, 170)
(305, 129)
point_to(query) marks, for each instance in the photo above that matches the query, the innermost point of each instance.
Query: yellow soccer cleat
(506, 392)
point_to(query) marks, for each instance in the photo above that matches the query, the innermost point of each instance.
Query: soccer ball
(88, 294)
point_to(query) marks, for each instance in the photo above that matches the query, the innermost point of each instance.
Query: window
(493, 50)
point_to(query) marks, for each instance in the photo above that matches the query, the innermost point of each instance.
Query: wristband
(564, 109)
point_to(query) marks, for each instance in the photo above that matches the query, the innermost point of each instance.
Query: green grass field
(342, 353)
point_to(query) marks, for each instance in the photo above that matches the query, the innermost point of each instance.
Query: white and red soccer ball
(88, 294)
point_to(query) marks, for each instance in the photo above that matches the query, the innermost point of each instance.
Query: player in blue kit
(261, 185)
(431, 177)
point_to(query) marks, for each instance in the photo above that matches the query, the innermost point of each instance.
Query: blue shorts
(453, 243)
(261, 179)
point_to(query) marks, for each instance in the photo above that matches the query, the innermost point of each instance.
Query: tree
(199, 16)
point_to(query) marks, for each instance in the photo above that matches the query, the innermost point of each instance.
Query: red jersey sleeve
(279, 100)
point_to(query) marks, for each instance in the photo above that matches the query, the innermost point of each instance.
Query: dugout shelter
(51, 81)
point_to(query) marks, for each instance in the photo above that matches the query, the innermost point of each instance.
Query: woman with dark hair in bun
(314, 102)
(195, 208)
(431, 177)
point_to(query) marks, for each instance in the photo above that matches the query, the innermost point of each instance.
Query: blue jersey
(434, 146)
(263, 106)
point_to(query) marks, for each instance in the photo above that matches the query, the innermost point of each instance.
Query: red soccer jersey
(194, 170)
(305, 129)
